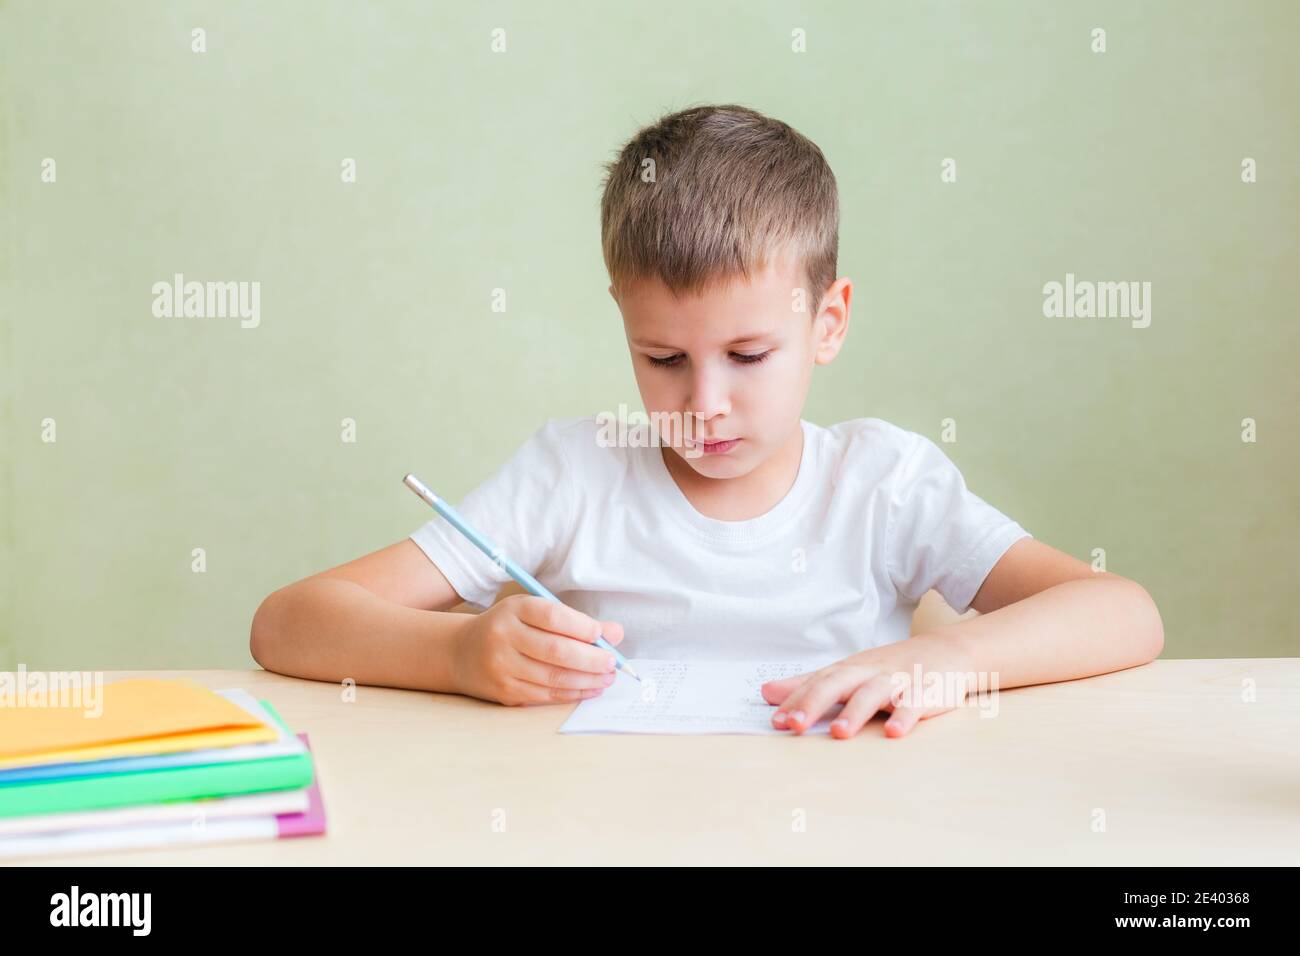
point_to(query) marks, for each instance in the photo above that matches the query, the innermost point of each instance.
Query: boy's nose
(708, 399)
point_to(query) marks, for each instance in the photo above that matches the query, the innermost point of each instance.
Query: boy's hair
(728, 188)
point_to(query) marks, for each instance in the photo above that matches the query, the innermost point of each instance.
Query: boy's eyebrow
(751, 337)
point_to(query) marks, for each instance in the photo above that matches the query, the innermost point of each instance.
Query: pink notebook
(312, 821)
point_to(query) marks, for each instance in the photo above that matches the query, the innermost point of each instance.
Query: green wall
(479, 170)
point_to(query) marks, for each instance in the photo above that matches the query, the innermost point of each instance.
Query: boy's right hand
(522, 650)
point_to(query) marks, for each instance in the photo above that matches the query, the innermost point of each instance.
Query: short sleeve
(524, 508)
(940, 535)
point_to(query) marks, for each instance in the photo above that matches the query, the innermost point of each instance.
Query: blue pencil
(529, 582)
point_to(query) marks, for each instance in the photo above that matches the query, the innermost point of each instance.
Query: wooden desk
(1185, 771)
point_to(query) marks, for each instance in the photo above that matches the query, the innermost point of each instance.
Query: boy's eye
(741, 357)
(670, 360)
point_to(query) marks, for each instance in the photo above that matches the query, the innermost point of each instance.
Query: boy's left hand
(865, 684)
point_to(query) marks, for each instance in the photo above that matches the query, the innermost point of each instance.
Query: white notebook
(182, 811)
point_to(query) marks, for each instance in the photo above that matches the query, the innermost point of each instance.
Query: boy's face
(739, 362)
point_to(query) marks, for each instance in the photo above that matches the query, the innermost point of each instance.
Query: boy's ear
(612, 294)
(833, 313)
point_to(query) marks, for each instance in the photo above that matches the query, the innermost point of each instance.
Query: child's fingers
(776, 691)
(526, 692)
(904, 720)
(564, 652)
(806, 705)
(864, 704)
(554, 675)
(557, 618)
(613, 631)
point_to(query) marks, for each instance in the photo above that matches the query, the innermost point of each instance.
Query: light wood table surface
(1184, 769)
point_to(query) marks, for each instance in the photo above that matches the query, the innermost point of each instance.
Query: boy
(749, 533)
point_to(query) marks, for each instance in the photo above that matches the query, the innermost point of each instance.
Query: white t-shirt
(876, 517)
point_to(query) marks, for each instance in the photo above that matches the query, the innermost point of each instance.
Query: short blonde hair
(727, 189)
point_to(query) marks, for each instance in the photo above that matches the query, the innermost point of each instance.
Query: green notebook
(159, 786)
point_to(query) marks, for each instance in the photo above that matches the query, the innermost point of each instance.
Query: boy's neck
(744, 497)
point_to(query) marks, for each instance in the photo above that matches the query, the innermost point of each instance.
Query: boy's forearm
(1074, 629)
(328, 629)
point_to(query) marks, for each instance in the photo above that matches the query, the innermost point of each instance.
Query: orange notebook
(131, 718)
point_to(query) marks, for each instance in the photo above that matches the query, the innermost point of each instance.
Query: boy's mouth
(717, 447)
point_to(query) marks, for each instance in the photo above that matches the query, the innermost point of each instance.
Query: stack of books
(151, 763)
